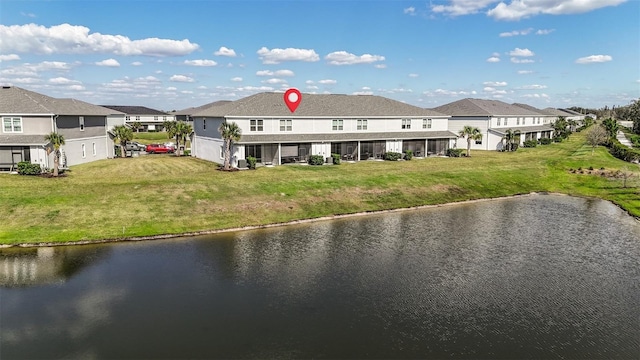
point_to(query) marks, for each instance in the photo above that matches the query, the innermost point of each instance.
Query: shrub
(187, 152)
(624, 153)
(392, 156)
(408, 154)
(316, 160)
(530, 143)
(545, 141)
(27, 168)
(454, 152)
(336, 159)
(251, 162)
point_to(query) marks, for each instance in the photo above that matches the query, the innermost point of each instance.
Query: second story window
(155, 118)
(164, 118)
(362, 124)
(81, 123)
(518, 121)
(127, 118)
(337, 125)
(426, 123)
(506, 121)
(256, 125)
(137, 118)
(498, 121)
(406, 123)
(12, 124)
(286, 125)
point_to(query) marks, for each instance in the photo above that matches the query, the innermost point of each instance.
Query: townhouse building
(149, 119)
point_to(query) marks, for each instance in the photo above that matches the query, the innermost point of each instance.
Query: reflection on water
(535, 277)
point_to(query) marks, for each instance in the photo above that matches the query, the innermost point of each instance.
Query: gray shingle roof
(22, 140)
(334, 105)
(363, 136)
(530, 108)
(480, 107)
(135, 110)
(193, 110)
(556, 112)
(15, 100)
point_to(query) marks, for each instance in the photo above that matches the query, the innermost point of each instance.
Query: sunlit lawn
(163, 194)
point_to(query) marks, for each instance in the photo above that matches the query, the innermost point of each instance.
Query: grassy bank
(159, 194)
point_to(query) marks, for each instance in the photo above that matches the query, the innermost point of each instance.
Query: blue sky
(176, 54)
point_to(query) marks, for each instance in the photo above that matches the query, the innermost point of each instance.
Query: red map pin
(292, 98)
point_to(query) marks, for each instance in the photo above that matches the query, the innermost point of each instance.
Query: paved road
(623, 140)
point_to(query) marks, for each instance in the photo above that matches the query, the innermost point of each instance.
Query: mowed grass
(163, 194)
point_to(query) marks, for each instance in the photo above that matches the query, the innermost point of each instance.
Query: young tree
(122, 135)
(597, 135)
(472, 133)
(611, 126)
(634, 115)
(511, 137)
(56, 140)
(231, 133)
(181, 131)
(136, 125)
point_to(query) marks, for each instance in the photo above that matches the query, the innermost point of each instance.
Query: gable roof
(193, 110)
(329, 105)
(556, 112)
(530, 108)
(15, 100)
(481, 107)
(135, 110)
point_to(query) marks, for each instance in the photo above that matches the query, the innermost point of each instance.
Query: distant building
(357, 127)
(149, 119)
(28, 116)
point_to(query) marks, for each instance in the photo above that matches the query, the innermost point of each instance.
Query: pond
(540, 276)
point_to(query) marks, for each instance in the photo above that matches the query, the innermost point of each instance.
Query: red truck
(159, 148)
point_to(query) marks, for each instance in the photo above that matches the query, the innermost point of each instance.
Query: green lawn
(163, 194)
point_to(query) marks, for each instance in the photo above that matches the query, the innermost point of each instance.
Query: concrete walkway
(623, 140)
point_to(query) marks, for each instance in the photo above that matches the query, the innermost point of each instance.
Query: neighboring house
(27, 117)
(185, 115)
(357, 127)
(494, 118)
(150, 119)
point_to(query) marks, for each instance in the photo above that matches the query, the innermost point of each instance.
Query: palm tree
(560, 128)
(230, 132)
(472, 133)
(611, 126)
(56, 140)
(512, 137)
(122, 134)
(183, 131)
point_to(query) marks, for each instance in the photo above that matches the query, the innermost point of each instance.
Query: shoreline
(293, 222)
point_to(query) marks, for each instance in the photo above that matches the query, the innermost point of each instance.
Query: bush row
(624, 153)
(27, 168)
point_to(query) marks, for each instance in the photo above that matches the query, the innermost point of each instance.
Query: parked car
(135, 146)
(159, 148)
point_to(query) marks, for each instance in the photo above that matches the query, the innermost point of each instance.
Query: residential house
(357, 127)
(149, 119)
(27, 117)
(185, 115)
(493, 118)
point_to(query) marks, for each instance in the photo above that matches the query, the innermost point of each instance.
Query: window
(127, 118)
(256, 125)
(479, 142)
(498, 121)
(538, 120)
(94, 149)
(155, 118)
(84, 151)
(12, 124)
(285, 125)
(506, 121)
(204, 124)
(518, 121)
(362, 124)
(137, 118)
(337, 125)
(426, 123)
(81, 123)
(164, 118)
(406, 123)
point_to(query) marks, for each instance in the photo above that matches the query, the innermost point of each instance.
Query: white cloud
(345, 58)
(413, 75)
(186, 92)
(31, 15)
(410, 11)
(70, 39)
(136, 63)
(521, 52)
(76, 87)
(201, 62)
(181, 78)
(594, 59)
(443, 92)
(276, 56)
(274, 81)
(366, 88)
(224, 51)
(362, 93)
(516, 33)
(523, 72)
(516, 60)
(532, 87)
(493, 59)
(522, 9)
(536, 96)
(312, 87)
(201, 87)
(26, 80)
(309, 82)
(462, 7)
(328, 82)
(380, 66)
(495, 83)
(255, 88)
(236, 79)
(63, 81)
(108, 63)
(171, 88)
(275, 73)
(9, 57)
(545, 31)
